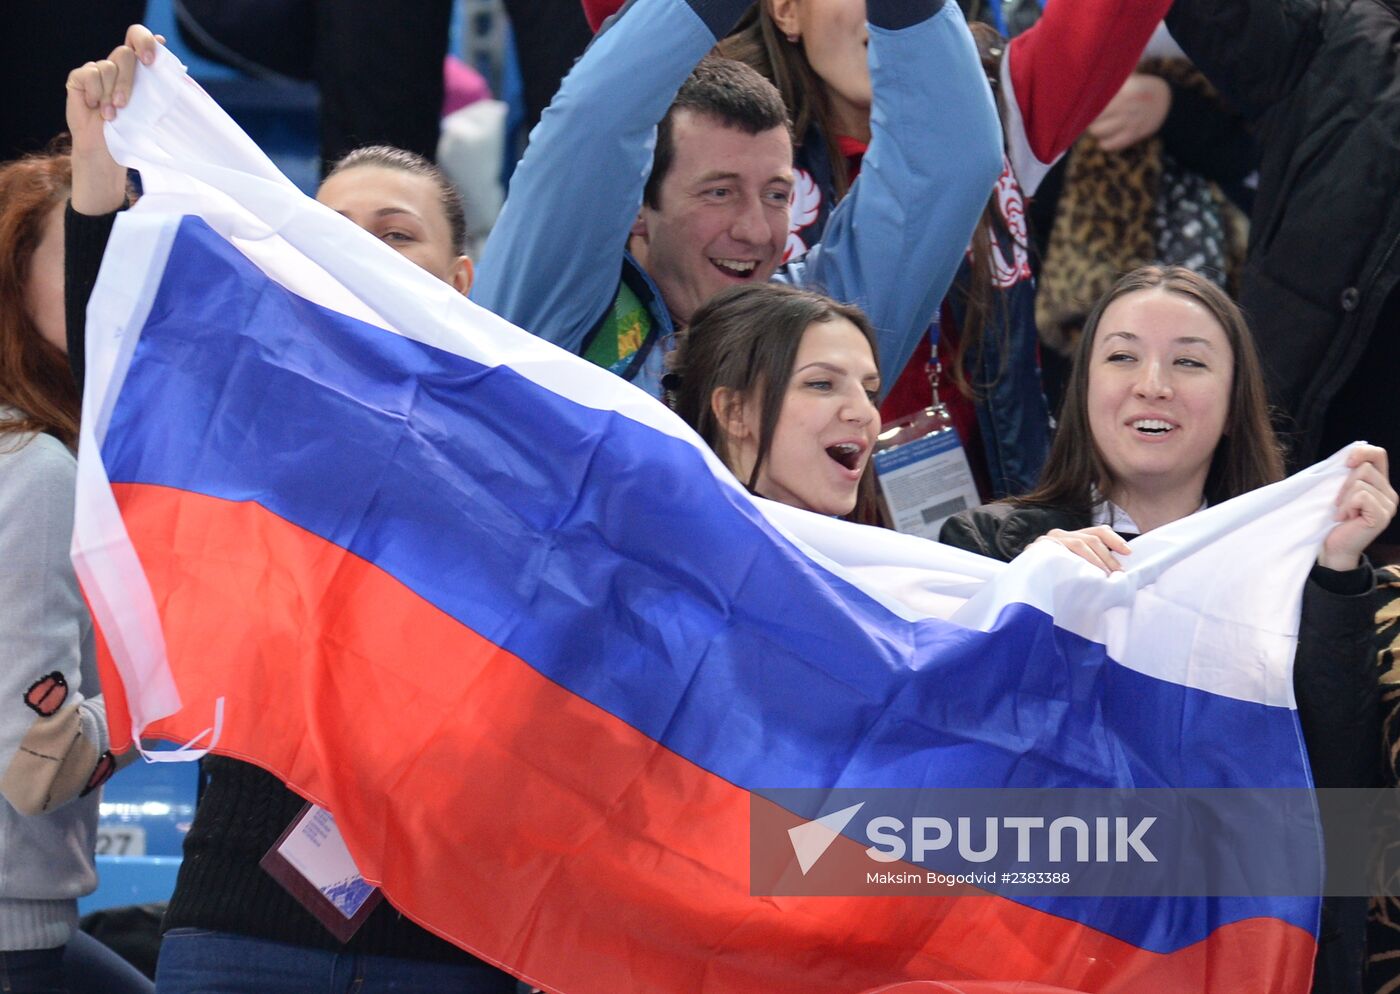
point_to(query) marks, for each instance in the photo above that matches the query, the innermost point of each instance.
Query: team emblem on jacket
(806, 205)
(1007, 273)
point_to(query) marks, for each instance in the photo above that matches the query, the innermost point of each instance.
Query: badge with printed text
(923, 473)
(310, 860)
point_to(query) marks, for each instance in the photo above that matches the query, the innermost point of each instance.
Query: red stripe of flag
(539, 831)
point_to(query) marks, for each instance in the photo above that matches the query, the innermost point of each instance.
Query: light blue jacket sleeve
(893, 245)
(554, 257)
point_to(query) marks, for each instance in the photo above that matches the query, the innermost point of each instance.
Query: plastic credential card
(924, 477)
(310, 860)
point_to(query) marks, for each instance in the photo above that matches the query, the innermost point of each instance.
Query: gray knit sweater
(50, 736)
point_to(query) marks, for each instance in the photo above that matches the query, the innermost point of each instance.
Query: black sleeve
(961, 531)
(84, 240)
(1002, 530)
(1334, 679)
(1252, 51)
(1207, 138)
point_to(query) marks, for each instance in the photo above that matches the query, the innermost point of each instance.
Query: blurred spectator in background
(42, 41)
(378, 66)
(1006, 17)
(1320, 83)
(278, 44)
(549, 36)
(1141, 187)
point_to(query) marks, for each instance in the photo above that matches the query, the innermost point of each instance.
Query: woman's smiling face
(1160, 377)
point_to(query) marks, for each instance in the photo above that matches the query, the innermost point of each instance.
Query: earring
(793, 37)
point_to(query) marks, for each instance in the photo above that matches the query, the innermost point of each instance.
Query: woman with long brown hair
(1165, 413)
(1137, 476)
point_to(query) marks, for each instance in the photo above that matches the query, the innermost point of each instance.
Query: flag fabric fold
(519, 630)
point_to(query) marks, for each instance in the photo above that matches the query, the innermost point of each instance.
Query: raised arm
(1061, 72)
(1334, 673)
(97, 91)
(1252, 51)
(894, 243)
(552, 262)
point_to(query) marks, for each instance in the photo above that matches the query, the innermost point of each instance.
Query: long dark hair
(1248, 454)
(745, 339)
(757, 42)
(981, 302)
(34, 374)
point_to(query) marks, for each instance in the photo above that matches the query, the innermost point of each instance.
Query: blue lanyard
(934, 368)
(998, 21)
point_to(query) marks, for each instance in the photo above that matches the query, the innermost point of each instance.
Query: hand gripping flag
(535, 648)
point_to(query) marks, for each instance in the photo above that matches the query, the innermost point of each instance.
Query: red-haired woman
(53, 739)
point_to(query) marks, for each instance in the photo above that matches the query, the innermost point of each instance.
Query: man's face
(722, 216)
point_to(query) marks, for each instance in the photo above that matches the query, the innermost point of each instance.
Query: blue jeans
(199, 961)
(92, 968)
(32, 971)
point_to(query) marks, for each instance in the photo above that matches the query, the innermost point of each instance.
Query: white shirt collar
(1108, 513)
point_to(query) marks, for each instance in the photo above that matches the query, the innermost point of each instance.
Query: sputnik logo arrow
(811, 839)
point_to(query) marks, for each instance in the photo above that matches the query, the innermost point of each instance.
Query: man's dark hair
(728, 92)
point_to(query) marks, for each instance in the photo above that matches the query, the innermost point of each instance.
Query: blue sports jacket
(557, 255)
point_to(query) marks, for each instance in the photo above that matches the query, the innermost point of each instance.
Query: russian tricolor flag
(518, 629)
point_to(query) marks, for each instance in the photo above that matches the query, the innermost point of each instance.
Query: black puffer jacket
(1320, 81)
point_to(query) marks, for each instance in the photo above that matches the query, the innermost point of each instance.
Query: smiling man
(715, 208)
(652, 182)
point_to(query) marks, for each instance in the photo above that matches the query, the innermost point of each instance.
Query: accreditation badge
(922, 469)
(310, 860)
